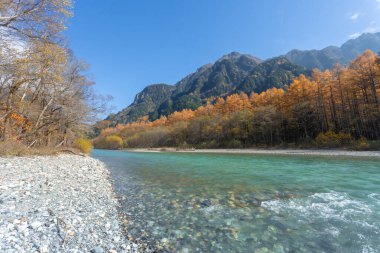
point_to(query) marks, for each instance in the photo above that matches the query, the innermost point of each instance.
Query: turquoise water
(182, 202)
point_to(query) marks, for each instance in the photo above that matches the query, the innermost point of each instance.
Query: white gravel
(59, 203)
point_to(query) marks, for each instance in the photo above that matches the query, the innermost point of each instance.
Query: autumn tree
(328, 108)
(33, 19)
(42, 85)
(267, 125)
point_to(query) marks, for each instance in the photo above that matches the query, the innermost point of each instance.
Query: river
(186, 202)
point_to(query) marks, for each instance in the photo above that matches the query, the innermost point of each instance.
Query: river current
(191, 202)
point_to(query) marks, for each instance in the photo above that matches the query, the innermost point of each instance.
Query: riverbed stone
(63, 203)
(97, 249)
(262, 250)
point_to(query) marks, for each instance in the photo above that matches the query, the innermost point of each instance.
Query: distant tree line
(332, 108)
(45, 95)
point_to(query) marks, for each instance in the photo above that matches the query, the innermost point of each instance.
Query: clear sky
(133, 43)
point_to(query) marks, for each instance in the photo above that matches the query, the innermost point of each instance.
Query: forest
(332, 108)
(45, 95)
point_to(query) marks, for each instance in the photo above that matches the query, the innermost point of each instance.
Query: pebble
(44, 249)
(75, 192)
(262, 250)
(36, 224)
(278, 248)
(97, 249)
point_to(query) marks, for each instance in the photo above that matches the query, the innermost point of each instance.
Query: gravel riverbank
(59, 203)
(310, 152)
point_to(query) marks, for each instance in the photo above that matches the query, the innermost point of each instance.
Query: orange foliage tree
(340, 102)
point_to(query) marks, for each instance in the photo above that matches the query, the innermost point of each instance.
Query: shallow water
(183, 202)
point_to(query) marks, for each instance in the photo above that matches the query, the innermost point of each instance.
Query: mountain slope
(232, 73)
(329, 56)
(275, 72)
(146, 103)
(237, 72)
(355, 47)
(218, 79)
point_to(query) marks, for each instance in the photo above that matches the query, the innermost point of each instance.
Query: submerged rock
(254, 202)
(206, 203)
(262, 250)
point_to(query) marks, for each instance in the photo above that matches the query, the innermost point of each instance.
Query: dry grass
(14, 148)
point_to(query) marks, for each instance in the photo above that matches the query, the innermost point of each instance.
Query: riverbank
(315, 152)
(63, 203)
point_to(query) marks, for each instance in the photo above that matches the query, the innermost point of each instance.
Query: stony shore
(311, 152)
(59, 203)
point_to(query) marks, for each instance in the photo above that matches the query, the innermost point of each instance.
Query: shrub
(156, 137)
(344, 138)
(17, 148)
(185, 145)
(13, 148)
(331, 139)
(233, 144)
(208, 144)
(114, 142)
(84, 145)
(362, 144)
(374, 145)
(132, 141)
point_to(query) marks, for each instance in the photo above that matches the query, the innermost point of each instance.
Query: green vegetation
(146, 103)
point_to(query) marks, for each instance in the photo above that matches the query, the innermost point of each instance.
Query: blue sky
(130, 44)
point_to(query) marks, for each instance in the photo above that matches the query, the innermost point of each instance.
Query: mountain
(146, 103)
(275, 72)
(218, 79)
(234, 73)
(326, 58)
(355, 47)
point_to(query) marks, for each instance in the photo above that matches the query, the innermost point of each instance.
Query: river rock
(52, 204)
(97, 249)
(205, 203)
